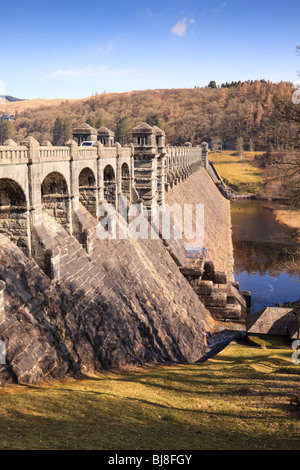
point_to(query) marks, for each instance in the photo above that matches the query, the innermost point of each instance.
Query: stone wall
(200, 189)
(82, 304)
(14, 223)
(124, 303)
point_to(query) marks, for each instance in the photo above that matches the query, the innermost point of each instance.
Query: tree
(181, 140)
(62, 131)
(90, 121)
(216, 144)
(68, 130)
(123, 132)
(99, 123)
(239, 147)
(154, 120)
(212, 84)
(7, 130)
(283, 167)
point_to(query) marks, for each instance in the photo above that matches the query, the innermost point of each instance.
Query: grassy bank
(242, 176)
(240, 399)
(290, 217)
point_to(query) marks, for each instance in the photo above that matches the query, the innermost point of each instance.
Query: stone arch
(14, 215)
(88, 190)
(125, 177)
(109, 184)
(55, 198)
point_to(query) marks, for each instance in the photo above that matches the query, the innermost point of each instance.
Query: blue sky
(71, 49)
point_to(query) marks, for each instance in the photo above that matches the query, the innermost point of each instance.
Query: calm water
(260, 243)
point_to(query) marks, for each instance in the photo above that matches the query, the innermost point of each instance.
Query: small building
(160, 139)
(106, 136)
(84, 132)
(143, 136)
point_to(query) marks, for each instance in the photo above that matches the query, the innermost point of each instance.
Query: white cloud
(180, 27)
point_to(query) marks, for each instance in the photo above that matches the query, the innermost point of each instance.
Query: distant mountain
(11, 98)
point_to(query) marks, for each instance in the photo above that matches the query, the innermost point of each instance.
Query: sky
(70, 49)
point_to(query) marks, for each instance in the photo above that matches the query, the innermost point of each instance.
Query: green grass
(240, 399)
(242, 176)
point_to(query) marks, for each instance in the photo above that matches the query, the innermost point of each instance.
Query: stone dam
(72, 303)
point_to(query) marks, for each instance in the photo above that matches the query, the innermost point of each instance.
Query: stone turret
(144, 139)
(149, 161)
(160, 139)
(84, 132)
(145, 163)
(204, 147)
(106, 136)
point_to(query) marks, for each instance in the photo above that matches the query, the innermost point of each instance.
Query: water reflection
(261, 257)
(262, 253)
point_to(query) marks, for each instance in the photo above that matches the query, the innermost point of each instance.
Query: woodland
(252, 115)
(225, 113)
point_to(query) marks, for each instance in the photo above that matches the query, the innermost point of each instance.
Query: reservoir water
(262, 247)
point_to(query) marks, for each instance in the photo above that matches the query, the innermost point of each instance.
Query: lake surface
(261, 245)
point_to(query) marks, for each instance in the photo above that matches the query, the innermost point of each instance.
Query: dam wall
(125, 303)
(73, 303)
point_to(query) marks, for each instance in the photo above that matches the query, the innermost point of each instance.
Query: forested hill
(222, 113)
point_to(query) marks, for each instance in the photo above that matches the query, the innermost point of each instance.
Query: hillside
(17, 106)
(199, 114)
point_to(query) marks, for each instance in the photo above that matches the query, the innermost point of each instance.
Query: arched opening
(109, 185)
(88, 190)
(14, 221)
(125, 175)
(55, 198)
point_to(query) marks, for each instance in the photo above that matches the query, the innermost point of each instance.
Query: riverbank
(290, 217)
(242, 176)
(286, 215)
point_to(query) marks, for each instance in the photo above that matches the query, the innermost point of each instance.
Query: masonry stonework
(72, 302)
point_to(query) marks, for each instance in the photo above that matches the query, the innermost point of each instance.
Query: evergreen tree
(7, 130)
(62, 131)
(123, 133)
(90, 121)
(181, 140)
(99, 123)
(67, 130)
(154, 120)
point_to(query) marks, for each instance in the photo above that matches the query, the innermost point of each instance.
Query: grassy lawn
(240, 399)
(242, 176)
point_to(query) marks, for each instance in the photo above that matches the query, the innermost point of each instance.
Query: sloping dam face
(126, 302)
